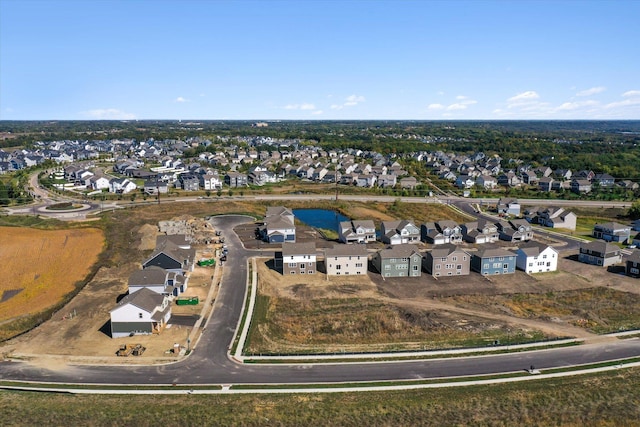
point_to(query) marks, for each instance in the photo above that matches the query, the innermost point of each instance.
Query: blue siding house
(492, 261)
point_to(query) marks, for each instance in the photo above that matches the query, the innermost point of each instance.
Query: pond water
(320, 218)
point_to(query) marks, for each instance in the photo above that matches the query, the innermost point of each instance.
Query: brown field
(39, 267)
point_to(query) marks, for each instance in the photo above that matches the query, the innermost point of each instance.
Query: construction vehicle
(126, 350)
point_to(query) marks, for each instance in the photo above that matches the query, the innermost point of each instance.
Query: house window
(387, 267)
(438, 266)
(338, 267)
(139, 315)
(443, 259)
(293, 264)
(454, 259)
(544, 256)
(415, 268)
(505, 266)
(358, 264)
(459, 267)
(293, 272)
(486, 266)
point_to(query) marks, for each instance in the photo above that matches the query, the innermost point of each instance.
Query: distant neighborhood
(153, 167)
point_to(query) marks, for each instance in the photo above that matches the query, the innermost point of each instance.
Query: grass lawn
(609, 399)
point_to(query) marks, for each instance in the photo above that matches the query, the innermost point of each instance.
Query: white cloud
(631, 93)
(624, 103)
(180, 99)
(524, 97)
(349, 101)
(591, 91)
(570, 106)
(305, 106)
(435, 107)
(317, 112)
(108, 114)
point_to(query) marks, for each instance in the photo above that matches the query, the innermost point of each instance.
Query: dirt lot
(80, 332)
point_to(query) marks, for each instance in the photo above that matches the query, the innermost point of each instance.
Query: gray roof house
(357, 231)
(600, 253)
(447, 260)
(516, 230)
(612, 232)
(346, 260)
(171, 256)
(480, 231)
(279, 225)
(296, 258)
(508, 206)
(399, 232)
(632, 264)
(143, 312)
(402, 260)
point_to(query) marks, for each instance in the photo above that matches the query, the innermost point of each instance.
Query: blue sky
(424, 60)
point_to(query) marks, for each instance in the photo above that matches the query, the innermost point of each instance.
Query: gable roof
(489, 252)
(145, 299)
(532, 248)
(346, 250)
(443, 251)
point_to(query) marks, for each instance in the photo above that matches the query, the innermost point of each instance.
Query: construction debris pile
(197, 230)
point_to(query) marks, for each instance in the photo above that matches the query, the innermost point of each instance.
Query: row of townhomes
(403, 258)
(406, 260)
(252, 160)
(146, 308)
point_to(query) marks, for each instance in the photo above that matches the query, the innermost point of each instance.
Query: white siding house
(534, 257)
(144, 312)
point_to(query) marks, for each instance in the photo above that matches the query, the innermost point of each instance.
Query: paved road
(210, 364)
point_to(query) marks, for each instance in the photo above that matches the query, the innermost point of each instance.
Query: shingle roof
(305, 248)
(346, 250)
(144, 299)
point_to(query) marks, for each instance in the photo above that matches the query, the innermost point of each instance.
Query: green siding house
(402, 260)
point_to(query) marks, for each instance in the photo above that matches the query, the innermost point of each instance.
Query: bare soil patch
(39, 267)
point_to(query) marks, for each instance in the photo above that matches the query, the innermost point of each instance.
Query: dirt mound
(197, 230)
(148, 235)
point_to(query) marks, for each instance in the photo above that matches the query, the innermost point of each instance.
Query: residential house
(357, 231)
(441, 232)
(612, 232)
(121, 186)
(585, 174)
(516, 230)
(480, 231)
(490, 261)
(628, 185)
(296, 258)
(158, 280)
(143, 312)
(346, 260)
(545, 184)
(604, 180)
(408, 183)
(464, 181)
(236, 179)
(581, 186)
(508, 206)
(556, 218)
(398, 261)
(509, 179)
(210, 180)
(487, 182)
(387, 181)
(155, 186)
(98, 183)
(399, 232)
(188, 182)
(447, 260)
(172, 253)
(366, 181)
(600, 253)
(632, 264)
(536, 257)
(635, 225)
(279, 225)
(563, 174)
